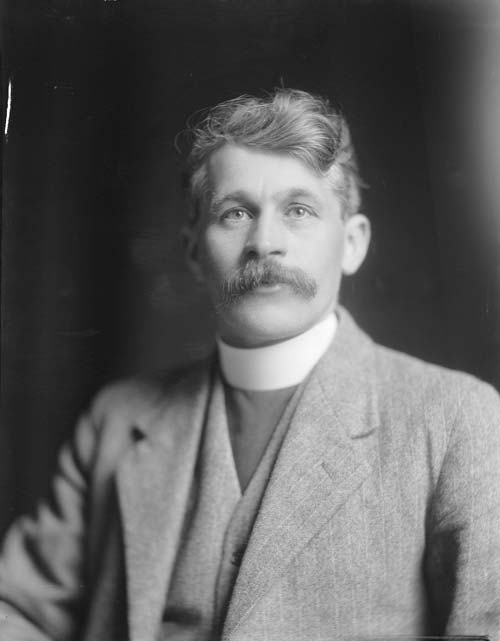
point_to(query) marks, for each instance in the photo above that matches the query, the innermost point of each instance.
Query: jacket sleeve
(463, 554)
(42, 576)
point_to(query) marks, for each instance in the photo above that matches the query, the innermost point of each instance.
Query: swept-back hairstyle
(289, 121)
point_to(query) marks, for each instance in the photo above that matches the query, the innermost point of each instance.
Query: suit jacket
(381, 515)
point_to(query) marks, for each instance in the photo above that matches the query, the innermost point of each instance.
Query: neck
(278, 365)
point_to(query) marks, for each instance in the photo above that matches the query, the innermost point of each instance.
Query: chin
(252, 326)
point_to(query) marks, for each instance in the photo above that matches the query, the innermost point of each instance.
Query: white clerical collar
(276, 366)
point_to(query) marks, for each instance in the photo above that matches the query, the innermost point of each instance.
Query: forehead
(262, 173)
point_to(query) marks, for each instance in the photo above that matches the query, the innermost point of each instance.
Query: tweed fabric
(239, 530)
(191, 609)
(381, 515)
(218, 525)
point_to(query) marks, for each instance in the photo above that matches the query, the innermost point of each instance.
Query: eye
(298, 212)
(236, 214)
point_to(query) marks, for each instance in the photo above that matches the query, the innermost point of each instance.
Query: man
(304, 483)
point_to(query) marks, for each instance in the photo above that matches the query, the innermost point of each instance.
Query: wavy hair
(289, 121)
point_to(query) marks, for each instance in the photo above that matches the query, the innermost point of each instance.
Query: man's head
(275, 195)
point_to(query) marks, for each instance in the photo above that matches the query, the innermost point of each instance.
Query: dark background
(94, 285)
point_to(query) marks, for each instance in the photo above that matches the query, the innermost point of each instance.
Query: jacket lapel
(326, 455)
(154, 482)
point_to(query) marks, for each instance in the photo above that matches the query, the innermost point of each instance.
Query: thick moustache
(254, 274)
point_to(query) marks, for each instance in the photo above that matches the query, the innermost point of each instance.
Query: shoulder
(398, 376)
(134, 400)
(124, 411)
(408, 388)
(403, 374)
(448, 410)
(447, 420)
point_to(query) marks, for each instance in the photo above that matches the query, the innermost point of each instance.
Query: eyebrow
(238, 195)
(242, 196)
(297, 194)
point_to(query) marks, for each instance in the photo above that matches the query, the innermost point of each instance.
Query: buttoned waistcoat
(381, 515)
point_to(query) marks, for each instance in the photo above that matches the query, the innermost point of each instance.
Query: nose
(266, 236)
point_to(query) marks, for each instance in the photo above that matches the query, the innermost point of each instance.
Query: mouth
(267, 288)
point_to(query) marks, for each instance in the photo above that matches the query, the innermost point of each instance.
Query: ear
(190, 243)
(357, 233)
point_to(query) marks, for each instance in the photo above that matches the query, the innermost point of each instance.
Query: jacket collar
(347, 365)
(347, 376)
(154, 481)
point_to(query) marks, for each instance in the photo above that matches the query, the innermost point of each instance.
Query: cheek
(218, 253)
(325, 257)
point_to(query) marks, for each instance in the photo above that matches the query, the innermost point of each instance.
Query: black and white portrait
(250, 320)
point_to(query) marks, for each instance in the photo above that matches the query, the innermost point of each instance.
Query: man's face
(270, 245)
